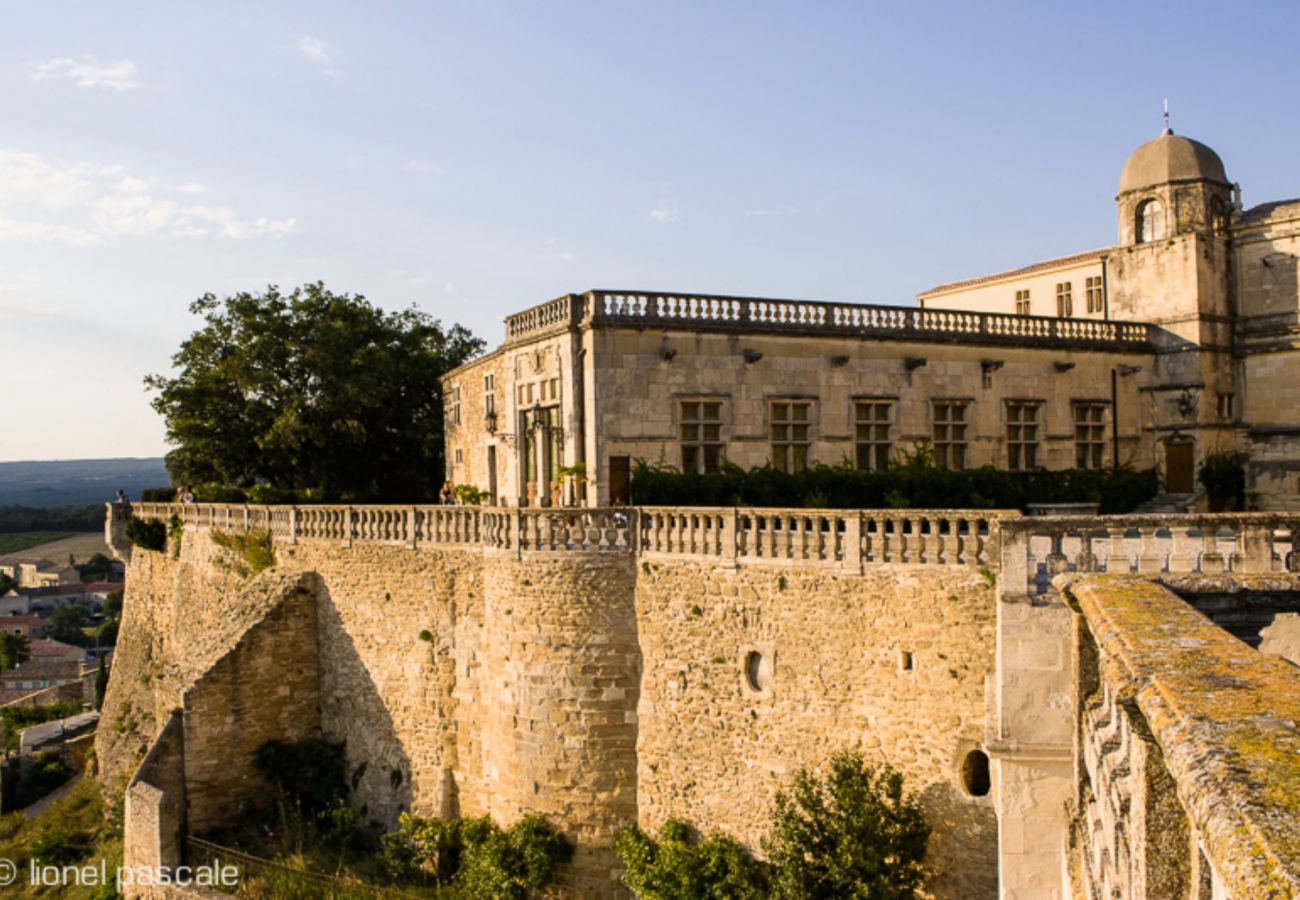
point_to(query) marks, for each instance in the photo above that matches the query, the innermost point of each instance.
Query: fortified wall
(603, 666)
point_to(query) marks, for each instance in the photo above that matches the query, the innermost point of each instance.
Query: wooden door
(620, 480)
(1180, 477)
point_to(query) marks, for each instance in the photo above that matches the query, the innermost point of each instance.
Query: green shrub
(469, 495)
(474, 857)
(253, 551)
(158, 495)
(852, 833)
(1224, 478)
(311, 773)
(41, 775)
(914, 483)
(677, 865)
(147, 534)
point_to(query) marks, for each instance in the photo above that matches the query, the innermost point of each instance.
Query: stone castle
(1091, 738)
(1088, 706)
(1169, 346)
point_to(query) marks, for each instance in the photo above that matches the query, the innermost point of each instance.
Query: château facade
(1169, 346)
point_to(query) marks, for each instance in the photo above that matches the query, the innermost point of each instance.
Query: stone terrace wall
(833, 675)
(401, 635)
(266, 688)
(1187, 751)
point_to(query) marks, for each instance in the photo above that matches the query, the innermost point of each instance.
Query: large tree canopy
(310, 390)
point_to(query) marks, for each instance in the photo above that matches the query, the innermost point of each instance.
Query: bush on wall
(147, 534)
(917, 485)
(1224, 478)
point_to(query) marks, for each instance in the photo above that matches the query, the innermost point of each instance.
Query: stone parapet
(715, 312)
(1187, 752)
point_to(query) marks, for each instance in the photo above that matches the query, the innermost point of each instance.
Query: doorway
(492, 474)
(1180, 475)
(620, 480)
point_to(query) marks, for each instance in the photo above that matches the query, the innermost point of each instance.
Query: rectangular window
(1064, 300)
(791, 429)
(871, 421)
(1089, 435)
(1093, 285)
(454, 415)
(950, 433)
(1225, 406)
(1022, 434)
(701, 435)
(1022, 302)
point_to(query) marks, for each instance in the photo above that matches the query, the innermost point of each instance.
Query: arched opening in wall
(1218, 216)
(975, 778)
(1150, 221)
(755, 674)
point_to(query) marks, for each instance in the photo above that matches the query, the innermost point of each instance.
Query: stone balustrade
(1187, 751)
(848, 539)
(642, 309)
(1036, 549)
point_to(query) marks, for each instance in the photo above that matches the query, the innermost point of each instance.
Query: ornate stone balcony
(712, 312)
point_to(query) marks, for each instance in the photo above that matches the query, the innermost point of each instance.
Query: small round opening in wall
(755, 676)
(975, 773)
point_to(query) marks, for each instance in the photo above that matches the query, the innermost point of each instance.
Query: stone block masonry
(607, 666)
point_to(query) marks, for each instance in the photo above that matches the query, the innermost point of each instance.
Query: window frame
(878, 451)
(944, 446)
(1022, 448)
(1022, 302)
(790, 451)
(1089, 445)
(1064, 299)
(1093, 290)
(696, 452)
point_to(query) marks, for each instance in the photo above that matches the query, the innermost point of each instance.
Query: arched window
(1218, 216)
(1150, 221)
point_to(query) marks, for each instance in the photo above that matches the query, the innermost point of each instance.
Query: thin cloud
(665, 213)
(421, 167)
(317, 51)
(87, 204)
(89, 72)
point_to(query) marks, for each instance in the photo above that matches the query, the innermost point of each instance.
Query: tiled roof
(43, 669)
(1045, 266)
(48, 648)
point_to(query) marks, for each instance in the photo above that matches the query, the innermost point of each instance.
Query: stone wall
(267, 687)
(892, 663)
(1187, 751)
(154, 817)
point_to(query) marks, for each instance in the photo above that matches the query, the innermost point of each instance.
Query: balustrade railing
(805, 316)
(1027, 550)
(643, 308)
(837, 538)
(1036, 549)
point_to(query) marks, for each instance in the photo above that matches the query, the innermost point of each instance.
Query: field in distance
(52, 545)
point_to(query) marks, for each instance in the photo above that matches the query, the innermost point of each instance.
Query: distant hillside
(76, 482)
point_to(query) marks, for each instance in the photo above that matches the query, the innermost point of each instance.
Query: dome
(1170, 157)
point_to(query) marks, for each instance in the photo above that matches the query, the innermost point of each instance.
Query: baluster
(1057, 561)
(1150, 559)
(1087, 561)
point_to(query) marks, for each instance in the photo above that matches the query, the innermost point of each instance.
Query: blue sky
(476, 158)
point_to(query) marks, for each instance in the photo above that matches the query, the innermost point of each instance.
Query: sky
(473, 159)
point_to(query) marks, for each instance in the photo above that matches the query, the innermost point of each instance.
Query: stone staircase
(1168, 503)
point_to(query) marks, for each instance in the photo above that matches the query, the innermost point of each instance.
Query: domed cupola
(1170, 186)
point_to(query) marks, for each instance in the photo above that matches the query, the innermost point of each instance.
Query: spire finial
(1167, 130)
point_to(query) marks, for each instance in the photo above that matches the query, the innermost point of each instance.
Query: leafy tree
(854, 833)
(1224, 479)
(98, 568)
(113, 604)
(7, 584)
(679, 866)
(310, 390)
(14, 649)
(67, 622)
